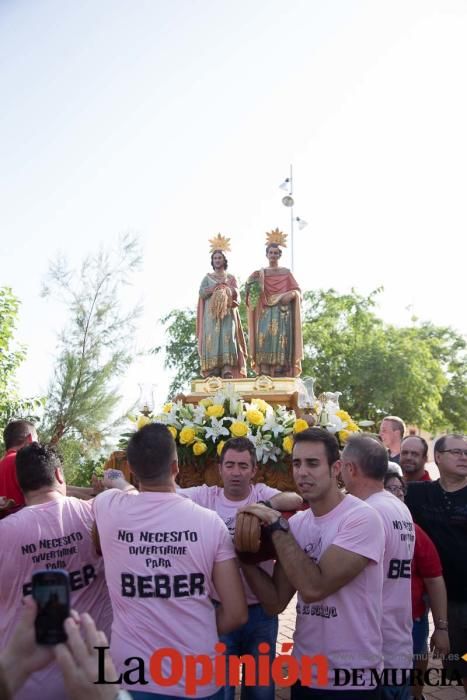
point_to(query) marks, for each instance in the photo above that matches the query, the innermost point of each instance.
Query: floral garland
(200, 431)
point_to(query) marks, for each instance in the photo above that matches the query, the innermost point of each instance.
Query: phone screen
(51, 591)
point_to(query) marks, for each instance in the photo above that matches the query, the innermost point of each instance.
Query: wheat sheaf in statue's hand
(252, 543)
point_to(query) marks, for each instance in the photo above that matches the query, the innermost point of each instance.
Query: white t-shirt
(213, 497)
(399, 533)
(159, 551)
(346, 625)
(56, 534)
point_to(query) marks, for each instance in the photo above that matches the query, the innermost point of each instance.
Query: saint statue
(274, 318)
(221, 343)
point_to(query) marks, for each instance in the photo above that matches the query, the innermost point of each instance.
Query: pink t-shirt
(213, 497)
(346, 625)
(399, 533)
(56, 534)
(159, 551)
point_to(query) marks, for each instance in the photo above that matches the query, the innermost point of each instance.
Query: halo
(277, 237)
(220, 243)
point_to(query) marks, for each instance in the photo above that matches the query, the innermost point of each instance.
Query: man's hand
(6, 503)
(264, 513)
(79, 662)
(23, 656)
(114, 479)
(439, 643)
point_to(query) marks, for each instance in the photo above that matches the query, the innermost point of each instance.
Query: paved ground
(286, 628)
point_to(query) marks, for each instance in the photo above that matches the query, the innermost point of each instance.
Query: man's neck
(328, 503)
(394, 450)
(366, 488)
(160, 488)
(35, 498)
(415, 476)
(450, 482)
(230, 497)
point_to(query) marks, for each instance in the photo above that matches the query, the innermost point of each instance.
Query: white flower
(198, 414)
(271, 425)
(335, 424)
(216, 429)
(264, 448)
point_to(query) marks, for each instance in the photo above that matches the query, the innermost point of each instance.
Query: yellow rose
(199, 448)
(343, 415)
(344, 435)
(219, 447)
(299, 425)
(167, 407)
(215, 411)
(142, 421)
(205, 402)
(287, 444)
(255, 417)
(238, 429)
(187, 436)
(260, 405)
(172, 431)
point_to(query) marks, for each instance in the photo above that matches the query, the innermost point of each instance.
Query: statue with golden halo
(274, 316)
(221, 343)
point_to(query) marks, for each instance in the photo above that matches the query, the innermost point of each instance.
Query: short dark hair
(150, 452)
(239, 444)
(440, 443)
(320, 435)
(16, 432)
(397, 424)
(226, 264)
(35, 466)
(369, 455)
(422, 440)
(273, 245)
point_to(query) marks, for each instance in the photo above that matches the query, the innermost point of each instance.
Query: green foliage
(417, 372)
(11, 357)
(79, 461)
(94, 347)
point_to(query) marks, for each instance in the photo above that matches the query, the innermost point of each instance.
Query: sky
(176, 121)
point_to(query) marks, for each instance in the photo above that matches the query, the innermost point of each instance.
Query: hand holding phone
(51, 591)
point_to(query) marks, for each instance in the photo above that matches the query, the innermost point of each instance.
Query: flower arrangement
(201, 430)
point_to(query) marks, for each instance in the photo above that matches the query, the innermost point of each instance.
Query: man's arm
(336, 568)
(287, 500)
(437, 595)
(232, 611)
(85, 493)
(274, 593)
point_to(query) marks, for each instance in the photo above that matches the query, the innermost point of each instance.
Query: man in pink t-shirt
(237, 467)
(364, 466)
(165, 559)
(52, 531)
(332, 555)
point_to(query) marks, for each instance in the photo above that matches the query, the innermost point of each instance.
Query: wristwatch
(279, 524)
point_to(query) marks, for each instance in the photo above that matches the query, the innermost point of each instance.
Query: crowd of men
(156, 572)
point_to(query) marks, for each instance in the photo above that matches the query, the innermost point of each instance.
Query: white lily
(216, 429)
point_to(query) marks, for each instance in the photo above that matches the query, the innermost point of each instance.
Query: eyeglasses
(456, 452)
(395, 489)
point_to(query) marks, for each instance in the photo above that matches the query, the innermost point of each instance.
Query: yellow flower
(187, 436)
(344, 435)
(255, 417)
(215, 411)
(344, 416)
(238, 429)
(287, 444)
(167, 407)
(142, 421)
(172, 431)
(199, 448)
(219, 447)
(299, 425)
(261, 405)
(205, 402)
(353, 427)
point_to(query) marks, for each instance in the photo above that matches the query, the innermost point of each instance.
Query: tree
(11, 357)
(417, 372)
(94, 347)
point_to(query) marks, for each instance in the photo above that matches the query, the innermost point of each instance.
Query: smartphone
(51, 591)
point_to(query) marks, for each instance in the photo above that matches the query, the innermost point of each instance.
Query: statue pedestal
(274, 390)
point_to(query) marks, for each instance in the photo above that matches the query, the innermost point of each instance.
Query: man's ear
(29, 439)
(174, 468)
(59, 475)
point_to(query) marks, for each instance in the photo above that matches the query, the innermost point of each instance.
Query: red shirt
(9, 486)
(426, 476)
(425, 564)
